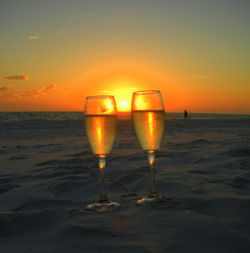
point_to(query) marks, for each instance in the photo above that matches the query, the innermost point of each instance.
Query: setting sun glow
(122, 90)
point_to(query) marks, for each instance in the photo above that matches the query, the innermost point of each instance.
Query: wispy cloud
(31, 93)
(33, 37)
(17, 77)
(35, 93)
(47, 88)
(5, 87)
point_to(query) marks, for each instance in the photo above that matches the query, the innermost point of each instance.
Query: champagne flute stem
(102, 169)
(151, 161)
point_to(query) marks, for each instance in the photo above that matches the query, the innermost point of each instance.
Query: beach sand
(48, 175)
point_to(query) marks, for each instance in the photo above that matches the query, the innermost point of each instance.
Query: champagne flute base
(152, 199)
(103, 207)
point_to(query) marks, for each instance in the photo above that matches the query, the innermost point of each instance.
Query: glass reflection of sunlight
(109, 107)
(98, 128)
(151, 128)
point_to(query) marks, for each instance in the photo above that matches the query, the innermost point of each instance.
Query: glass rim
(144, 92)
(100, 97)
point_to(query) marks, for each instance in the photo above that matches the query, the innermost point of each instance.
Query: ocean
(77, 115)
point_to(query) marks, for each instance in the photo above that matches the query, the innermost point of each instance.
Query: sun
(124, 106)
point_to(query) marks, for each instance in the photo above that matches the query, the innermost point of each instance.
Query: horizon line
(129, 112)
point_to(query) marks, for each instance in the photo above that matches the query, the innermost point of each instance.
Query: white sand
(48, 176)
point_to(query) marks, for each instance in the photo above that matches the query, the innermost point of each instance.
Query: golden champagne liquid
(101, 131)
(149, 127)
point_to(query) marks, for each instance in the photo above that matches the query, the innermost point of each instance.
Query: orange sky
(197, 57)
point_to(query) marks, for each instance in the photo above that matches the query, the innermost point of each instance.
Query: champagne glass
(100, 125)
(148, 116)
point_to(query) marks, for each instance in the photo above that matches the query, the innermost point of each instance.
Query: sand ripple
(48, 176)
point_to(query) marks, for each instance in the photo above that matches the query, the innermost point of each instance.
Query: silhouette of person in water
(185, 114)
